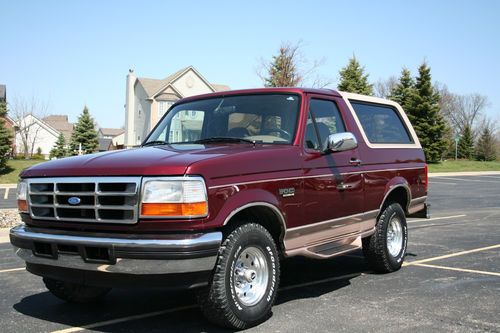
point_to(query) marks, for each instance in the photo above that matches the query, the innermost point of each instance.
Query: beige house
(147, 100)
(110, 138)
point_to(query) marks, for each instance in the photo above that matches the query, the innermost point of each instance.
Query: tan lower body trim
(328, 238)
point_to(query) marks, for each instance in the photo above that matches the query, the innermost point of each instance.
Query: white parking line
(451, 255)
(458, 269)
(494, 177)
(187, 307)
(436, 218)
(124, 319)
(6, 196)
(444, 183)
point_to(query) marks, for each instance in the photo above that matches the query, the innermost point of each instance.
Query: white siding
(191, 84)
(41, 135)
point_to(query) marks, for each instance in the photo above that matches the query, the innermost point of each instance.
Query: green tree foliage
(353, 79)
(5, 137)
(466, 144)
(424, 113)
(486, 146)
(84, 133)
(403, 91)
(282, 71)
(59, 150)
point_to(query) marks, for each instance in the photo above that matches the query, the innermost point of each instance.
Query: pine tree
(5, 137)
(402, 93)
(59, 150)
(84, 133)
(466, 144)
(353, 79)
(283, 70)
(424, 113)
(485, 147)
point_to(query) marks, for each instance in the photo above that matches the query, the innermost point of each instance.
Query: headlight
(174, 197)
(22, 194)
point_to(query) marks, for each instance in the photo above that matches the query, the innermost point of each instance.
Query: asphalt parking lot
(450, 283)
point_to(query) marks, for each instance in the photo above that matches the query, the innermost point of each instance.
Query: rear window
(381, 123)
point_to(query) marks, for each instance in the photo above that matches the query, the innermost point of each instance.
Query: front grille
(85, 199)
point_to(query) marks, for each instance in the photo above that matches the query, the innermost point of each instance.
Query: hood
(158, 160)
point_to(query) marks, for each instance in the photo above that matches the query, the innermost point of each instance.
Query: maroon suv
(224, 187)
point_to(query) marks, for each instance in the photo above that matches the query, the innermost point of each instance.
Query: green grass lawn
(14, 167)
(464, 165)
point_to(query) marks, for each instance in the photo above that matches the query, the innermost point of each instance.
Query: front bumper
(122, 254)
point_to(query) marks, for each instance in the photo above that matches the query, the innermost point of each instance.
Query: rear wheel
(73, 292)
(245, 280)
(386, 248)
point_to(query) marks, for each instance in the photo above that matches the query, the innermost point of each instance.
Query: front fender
(236, 200)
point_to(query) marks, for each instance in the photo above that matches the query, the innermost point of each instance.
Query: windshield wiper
(155, 143)
(224, 139)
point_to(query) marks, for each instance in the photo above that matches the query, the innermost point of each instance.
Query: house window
(163, 107)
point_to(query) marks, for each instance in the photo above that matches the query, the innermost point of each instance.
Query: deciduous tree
(290, 69)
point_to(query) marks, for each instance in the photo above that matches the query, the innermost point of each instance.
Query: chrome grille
(94, 199)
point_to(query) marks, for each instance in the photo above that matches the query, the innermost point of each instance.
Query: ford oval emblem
(74, 201)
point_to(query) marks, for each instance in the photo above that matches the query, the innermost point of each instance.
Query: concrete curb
(465, 173)
(4, 235)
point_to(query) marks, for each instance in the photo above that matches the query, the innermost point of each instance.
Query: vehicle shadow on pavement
(301, 278)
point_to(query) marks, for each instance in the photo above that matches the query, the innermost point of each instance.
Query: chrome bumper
(128, 254)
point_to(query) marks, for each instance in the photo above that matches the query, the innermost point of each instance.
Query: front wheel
(245, 280)
(386, 248)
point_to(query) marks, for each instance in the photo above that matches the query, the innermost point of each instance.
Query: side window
(381, 123)
(324, 119)
(311, 138)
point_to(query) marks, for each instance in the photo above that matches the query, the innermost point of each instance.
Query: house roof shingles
(111, 131)
(61, 124)
(151, 86)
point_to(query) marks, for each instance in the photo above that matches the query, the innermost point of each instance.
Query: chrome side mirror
(341, 142)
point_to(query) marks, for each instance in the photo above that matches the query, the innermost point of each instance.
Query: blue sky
(76, 53)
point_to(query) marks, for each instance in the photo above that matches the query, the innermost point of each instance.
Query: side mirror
(341, 142)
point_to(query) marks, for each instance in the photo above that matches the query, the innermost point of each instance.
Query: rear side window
(381, 123)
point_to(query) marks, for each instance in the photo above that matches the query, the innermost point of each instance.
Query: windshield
(264, 118)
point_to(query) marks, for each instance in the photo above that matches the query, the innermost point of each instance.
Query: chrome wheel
(394, 237)
(250, 276)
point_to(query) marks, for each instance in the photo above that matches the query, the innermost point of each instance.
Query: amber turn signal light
(194, 209)
(22, 205)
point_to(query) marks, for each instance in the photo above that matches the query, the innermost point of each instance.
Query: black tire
(219, 302)
(375, 246)
(73, 292)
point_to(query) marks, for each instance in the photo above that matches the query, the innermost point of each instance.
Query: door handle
(355, 161)
(342, 187)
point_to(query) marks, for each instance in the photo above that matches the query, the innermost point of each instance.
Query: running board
(331, 249)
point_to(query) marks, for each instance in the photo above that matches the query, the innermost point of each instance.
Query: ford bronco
(225, 187)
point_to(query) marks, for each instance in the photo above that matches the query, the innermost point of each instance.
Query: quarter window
(381, 123)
